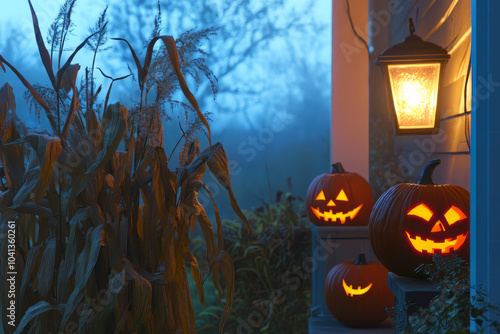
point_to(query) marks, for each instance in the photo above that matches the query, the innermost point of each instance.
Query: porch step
(323, 325)
(413, 292)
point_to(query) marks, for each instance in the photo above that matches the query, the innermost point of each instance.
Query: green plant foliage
(452, 310)
(103, 222)
(273, 266)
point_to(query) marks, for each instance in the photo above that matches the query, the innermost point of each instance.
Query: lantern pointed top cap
(414, 48)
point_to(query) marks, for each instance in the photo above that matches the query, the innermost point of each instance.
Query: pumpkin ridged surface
(389, 223)
(366, 310)
(355, 187)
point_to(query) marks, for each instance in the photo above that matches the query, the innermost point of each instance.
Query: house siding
(485, 158)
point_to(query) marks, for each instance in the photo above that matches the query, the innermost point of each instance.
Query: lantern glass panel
(415, 91)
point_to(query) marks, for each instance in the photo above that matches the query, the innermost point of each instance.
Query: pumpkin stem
(360, 260)
(426, 177)
(337, 168)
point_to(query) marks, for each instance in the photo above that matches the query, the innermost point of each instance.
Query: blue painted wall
(485, 158)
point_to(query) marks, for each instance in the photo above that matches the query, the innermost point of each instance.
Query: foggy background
(272, 60)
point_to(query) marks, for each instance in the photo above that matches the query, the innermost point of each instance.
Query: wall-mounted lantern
(413, 72)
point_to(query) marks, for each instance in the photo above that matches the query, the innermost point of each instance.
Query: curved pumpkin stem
(361, 260)
(337, 168)
(426, 177)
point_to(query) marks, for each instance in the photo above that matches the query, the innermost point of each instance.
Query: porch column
(485, 152)
(350, 122)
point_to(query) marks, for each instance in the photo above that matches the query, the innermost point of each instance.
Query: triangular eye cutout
(421, 211)
(341, 196)
(454, 215)
(321, 196)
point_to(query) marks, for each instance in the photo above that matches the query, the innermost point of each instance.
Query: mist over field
(272, 60)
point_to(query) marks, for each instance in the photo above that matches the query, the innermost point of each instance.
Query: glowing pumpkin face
(349, 290)
(433, 244)
(330, 215)
(338, 198)
(357, 293)
(412, 222)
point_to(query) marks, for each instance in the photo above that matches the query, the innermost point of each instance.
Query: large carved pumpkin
(339, 198)
(412, 222)
(357, 293)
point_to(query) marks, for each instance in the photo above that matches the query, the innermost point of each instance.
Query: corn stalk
(103, 233)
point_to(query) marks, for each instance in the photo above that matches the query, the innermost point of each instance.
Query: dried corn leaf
(7, 102)
(189, 151)
(92, 126)
(35, 94)
(220, 240)
(29, 273)
(42, 50)
(48, 150)
(31, 178)
(12, 156)
(174, 60)
(46, 269)
(69, 77)
(196, 274)
(119, 165)
(136, 60)
(102, 235)
(111, 135)
(142, 295)
(31, 209)
(95, 322)
(67, 64)
(33, 312)
(75, 104)
(217, 163)
(227, 267)
(68, 265)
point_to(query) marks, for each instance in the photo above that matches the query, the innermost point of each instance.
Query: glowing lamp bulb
(411, 93)
(415, 90)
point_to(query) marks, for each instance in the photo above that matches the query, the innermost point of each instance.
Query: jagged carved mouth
(330, 216)
(349, 290)
(431, 246)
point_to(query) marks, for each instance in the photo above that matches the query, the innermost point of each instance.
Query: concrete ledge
(340, 232)
(414, 292)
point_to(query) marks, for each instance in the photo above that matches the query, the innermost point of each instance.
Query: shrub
(267, 299)
(452, 309)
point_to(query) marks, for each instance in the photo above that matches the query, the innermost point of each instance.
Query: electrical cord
(466, 112)
(354, 29)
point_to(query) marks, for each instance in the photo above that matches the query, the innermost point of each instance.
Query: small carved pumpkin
(412, 222)
(339, 198)
(357, 293)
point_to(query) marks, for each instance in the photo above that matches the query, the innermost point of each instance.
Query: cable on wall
(466, 112)
(354, 29)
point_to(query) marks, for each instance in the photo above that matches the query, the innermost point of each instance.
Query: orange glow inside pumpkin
(421, 211)
(421, 244)
(349, 290)
(334, 216)
(454, 215)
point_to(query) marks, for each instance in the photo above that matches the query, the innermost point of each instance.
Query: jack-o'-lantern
(339, 198)
(357, 294)
(412, 222)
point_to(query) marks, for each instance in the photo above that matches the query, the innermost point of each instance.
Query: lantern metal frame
(413, 51)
